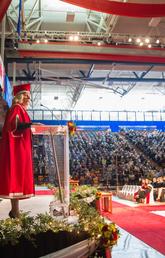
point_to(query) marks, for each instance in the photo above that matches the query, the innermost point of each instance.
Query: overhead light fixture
(130, 40)
(99, 43)
(45, 40)
(37, 41)
(73, 37)
(70, 37)
(76, 38)
(141, 44)
(147, 40)
(149, 46)
(157, 41)
(138, 40)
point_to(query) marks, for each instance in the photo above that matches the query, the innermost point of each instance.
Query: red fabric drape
(138, 10)
(4, 4)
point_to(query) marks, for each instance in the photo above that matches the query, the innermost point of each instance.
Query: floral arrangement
(98, 195)
(71, 127)
(109, 235)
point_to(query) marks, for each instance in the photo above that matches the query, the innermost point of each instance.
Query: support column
(3, 38)
(66, 167)
(14, 73)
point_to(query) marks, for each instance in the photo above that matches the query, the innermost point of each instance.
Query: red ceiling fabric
(92, 56)
(4, 6)
(138, 10)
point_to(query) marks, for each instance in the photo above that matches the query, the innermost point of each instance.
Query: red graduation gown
(16, 169)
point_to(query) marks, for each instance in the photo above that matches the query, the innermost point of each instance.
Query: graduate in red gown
(16, 168)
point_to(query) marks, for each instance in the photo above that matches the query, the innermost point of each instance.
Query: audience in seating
(159, 186)
(107, 158)
(150, 142)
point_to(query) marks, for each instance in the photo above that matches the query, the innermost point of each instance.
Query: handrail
(94, 115)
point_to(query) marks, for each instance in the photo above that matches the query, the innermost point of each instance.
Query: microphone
(51, 111)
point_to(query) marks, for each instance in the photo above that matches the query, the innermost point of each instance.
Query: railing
(85, 115)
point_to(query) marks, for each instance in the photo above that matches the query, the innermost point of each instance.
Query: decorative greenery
(11, 230)
(105, 234)
(83, 191)
(82, 201)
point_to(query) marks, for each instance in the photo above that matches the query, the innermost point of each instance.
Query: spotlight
(147, 40)
(37, 41)
(157, 41)
(149, 46)
(70, 37)
(141, 44)
(45, 40)
(99, 43)
(129, 40)
(138, 40)
(76, 38)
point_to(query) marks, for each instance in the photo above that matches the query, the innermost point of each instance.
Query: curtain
(4, 6)
(138, 10)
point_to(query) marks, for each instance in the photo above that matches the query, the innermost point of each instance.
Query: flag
(8, 91)
(2, 73)
(19, 19)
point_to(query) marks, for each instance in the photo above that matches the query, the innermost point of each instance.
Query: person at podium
(16, 169)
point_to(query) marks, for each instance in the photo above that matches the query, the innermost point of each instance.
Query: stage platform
(35, 205)
(128, 245)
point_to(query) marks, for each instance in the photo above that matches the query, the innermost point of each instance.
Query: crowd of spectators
(104, 157)
(151, 143)
(159, 185)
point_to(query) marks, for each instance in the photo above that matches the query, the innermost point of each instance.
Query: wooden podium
(106, 199)
(104, 203)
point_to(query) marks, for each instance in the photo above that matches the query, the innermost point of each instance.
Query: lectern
(51, 151)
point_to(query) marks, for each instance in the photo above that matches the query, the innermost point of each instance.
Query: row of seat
(128, 192)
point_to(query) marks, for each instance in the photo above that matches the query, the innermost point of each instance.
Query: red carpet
(44, 192)
(138, 221)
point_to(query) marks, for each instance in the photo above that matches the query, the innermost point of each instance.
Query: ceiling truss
(99, 29)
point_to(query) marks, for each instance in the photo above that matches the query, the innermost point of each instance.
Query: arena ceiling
(77, 58)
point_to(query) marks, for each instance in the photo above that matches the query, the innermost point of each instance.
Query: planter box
(82, 249)
(46, 243)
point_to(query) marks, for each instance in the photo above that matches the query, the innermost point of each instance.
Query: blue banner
(19, 19)
(8, 96)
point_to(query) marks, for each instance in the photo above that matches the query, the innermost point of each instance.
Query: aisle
(131, 247)
(142, 222)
